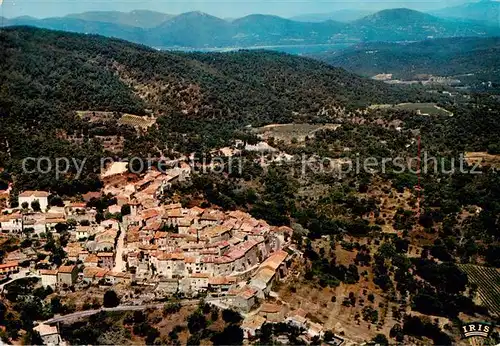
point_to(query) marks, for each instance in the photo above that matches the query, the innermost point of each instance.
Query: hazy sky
(224, 8)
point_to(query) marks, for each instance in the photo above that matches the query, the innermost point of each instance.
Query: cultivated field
(421, 108)
(488, 281)
(122, 119)
(137, 121)
(289, 132)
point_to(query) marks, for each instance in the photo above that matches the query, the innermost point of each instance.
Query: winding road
(81, 314)
(20, 275)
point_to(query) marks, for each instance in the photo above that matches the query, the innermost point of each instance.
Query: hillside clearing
(420, 108)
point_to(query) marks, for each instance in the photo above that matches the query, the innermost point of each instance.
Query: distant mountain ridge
(467, 58)
(200, 30)
(137, 18)
(487, 11)
(402, 24)
(343, 16)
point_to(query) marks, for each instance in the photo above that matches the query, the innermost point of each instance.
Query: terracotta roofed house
(49, 277)
(30, 196)
(91, 261)
(9, 268)
(252, 324)
(106, 259)
(274, 267)
(49, 334)
(67, 275)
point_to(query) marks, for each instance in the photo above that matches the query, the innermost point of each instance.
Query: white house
(30, 196)
(11, 223)
(49, 278)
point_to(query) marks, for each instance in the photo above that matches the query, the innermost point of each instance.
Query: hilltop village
(227, 257)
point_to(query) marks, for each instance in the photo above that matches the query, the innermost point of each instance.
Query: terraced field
(488, 282)
(122, 119)
(137, 121)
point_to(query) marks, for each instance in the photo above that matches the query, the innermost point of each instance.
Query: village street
(120, 245)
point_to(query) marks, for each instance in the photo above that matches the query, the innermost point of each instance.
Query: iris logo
(473, 329)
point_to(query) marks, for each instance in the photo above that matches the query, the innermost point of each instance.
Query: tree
(139, 317)
(125, 210)
(111, 299)
(151, 335)
(196, 322)
(32, 337)
(329, 336)
(61, 227)
(35, 205)
(3, 310)
(25, 205)
(214, 314)
(194, 339)
(380, 339)
(266, 333)
(56, 201)
(231, 335)
(397, 333)
(231, 316)
(171, 308)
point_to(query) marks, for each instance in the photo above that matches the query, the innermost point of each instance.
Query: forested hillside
(47, 76)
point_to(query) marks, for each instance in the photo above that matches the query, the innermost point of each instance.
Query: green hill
(201, 99)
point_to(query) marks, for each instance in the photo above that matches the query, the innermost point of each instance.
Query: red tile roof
(39, 194)
(66, 269)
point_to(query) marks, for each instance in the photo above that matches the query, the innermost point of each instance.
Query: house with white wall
(30, 196)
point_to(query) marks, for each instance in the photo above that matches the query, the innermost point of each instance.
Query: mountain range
(486, 11)
(470, 59)
(201, 30)
(138, 18)
(344, 16)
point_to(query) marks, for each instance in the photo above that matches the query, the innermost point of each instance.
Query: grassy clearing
(483, 158)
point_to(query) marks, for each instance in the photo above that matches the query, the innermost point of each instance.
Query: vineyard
(488, 281)
(137, 121)
(122, 119)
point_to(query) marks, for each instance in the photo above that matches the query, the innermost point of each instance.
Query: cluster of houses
(34, 215)
(281, 313)
(180, 250)
(228, 255)
(192, 250)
